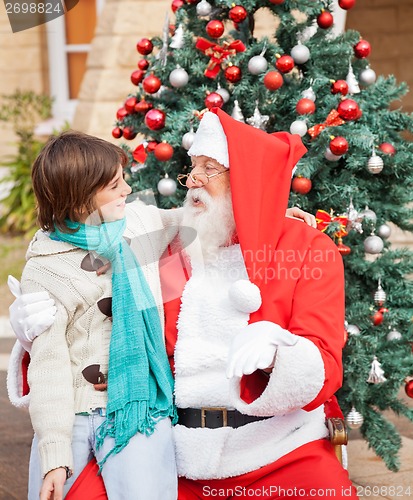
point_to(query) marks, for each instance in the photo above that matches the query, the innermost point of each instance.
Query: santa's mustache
(198, 194)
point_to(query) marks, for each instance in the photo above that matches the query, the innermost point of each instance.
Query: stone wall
(113, 58)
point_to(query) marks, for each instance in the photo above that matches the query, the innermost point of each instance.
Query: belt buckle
(215, 408)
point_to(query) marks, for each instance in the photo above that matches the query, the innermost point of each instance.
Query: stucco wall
(22, 66)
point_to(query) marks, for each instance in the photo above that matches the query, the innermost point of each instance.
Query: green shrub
(23, 110)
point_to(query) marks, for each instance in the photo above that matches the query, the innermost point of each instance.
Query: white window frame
(63, 108)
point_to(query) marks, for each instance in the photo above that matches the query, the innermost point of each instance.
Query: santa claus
(253, 325)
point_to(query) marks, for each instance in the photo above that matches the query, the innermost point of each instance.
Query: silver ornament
(223, 93)
(328, 155)
(379, 296)
(167, 186)
(368, 214)
(188, 139)
(257, 65)
(384, 231)
(375, 164)
(353, 86)
(309, 94)
(376, 375)
(354, 219)
(354, 419)
(258, 120)
(178, 41)
(300, 53)
(203, 9)
(373, 244)
(367, 76)
(353, 330)
(299, 127)
(137, 166)
(393, 335)
(237, 113)
(178, 78)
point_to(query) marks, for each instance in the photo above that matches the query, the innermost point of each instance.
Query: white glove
(30, 314)
(255, 347)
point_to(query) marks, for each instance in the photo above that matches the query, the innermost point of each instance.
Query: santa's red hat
(260, 166)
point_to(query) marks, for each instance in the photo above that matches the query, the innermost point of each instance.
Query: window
(68, 44)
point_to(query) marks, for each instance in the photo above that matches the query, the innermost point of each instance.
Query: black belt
(214, 418)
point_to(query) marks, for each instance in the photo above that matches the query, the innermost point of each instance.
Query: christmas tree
(357, 175)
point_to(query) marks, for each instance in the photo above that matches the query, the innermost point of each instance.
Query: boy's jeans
(144, 470)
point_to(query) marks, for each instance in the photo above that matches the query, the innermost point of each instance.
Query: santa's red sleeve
(307, 374)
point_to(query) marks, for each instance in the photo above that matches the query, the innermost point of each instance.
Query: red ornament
(346, 4)
(387, 148)
(130, 104)
(163, 151)
(117, 133)
(143, 106)
(121, 113)
(238, 14)
(343, 249)
(277, 2)
(338, 146)
(233, 74)
(192, 1)
(348, 109)
(285, 64)
(137, 76)
(377, 318)
(362, 49)
(129, 133)
(144, 46)
(215, 28)
(273, 80)
(176, 4)
(325, 20)
(409, 388)
(143, 64)
(151, 84)
(339, 87)
(214, 100)
(301, 185)
(155, 119)
(305, 107)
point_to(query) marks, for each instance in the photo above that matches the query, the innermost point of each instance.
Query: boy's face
(110, 200)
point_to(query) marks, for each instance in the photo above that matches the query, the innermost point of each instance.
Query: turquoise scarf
(140, 382)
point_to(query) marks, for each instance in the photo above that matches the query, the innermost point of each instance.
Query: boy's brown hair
(71, 168)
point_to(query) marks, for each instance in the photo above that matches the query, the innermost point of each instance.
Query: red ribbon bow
(324, 219)
(218, 54)
(333, 120)
(139, 154)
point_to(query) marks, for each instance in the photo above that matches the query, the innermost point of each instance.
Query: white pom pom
(245, 296)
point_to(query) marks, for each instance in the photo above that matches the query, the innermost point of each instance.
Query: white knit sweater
(80, 334)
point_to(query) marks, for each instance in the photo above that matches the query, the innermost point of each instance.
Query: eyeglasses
(200, 179)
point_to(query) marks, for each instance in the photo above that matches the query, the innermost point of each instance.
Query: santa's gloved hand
(30, 314)
(255, 348)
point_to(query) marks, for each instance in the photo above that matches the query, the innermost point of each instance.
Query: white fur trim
(226, 452)
(296, 379)
(15, 377)
(210, 140)
(245, 296)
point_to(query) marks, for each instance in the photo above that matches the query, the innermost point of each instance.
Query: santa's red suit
(299, 273)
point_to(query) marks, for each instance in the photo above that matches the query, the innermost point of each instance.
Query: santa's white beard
(213, 222)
